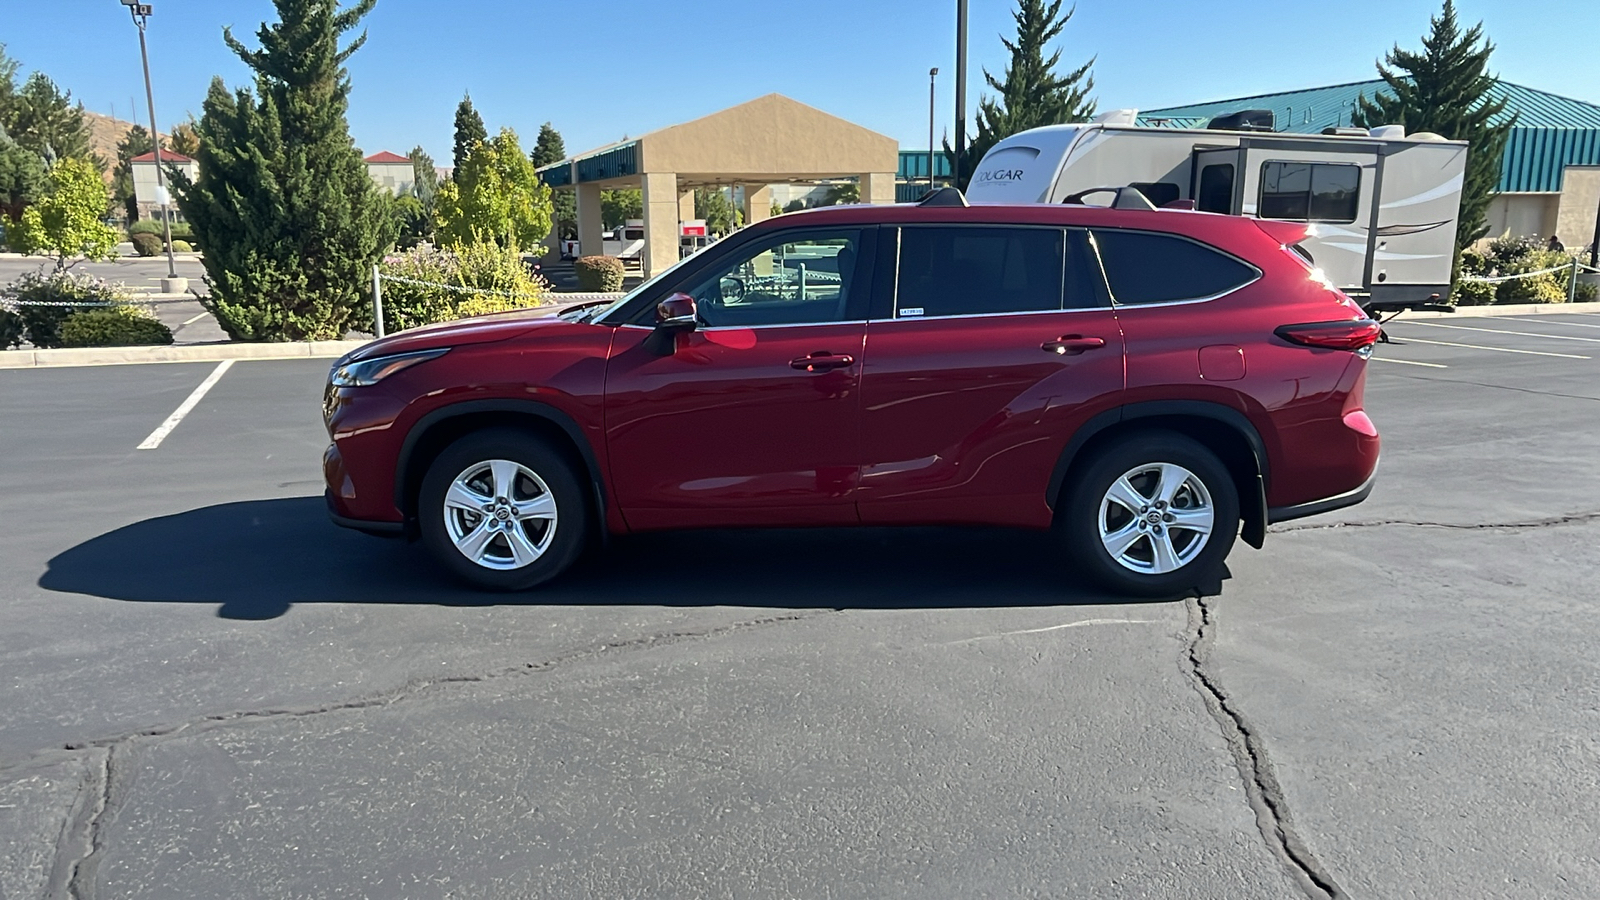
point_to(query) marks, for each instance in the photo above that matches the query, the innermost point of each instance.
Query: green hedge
(12, 329)
(181, 246)
(146, 244)
(116, 326)
(42, 301)
(599, 273)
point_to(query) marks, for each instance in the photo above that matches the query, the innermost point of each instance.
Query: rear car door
(753, 418)
(989, 346)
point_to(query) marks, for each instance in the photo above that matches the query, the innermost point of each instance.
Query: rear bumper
(1278, 514)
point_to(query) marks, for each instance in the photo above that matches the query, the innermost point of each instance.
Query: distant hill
(105, 133)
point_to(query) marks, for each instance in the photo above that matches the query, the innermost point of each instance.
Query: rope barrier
(1498, 279)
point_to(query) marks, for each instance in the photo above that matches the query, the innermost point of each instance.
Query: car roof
(1177, 221)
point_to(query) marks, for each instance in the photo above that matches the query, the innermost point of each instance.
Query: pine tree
(550, 148)
(1030, 93)
(469, 131)
(1447, 89)
(45, 121)
(424, 178)
(8, 90)
(290, 221)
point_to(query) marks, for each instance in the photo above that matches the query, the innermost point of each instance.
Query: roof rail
(1126, 198)
(945, 196)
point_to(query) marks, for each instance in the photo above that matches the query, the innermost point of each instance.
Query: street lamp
(933, 73)
(961, 87)
(172, 284)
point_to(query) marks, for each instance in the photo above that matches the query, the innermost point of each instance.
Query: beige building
(392, 172)
(146, 192)
(769, 140)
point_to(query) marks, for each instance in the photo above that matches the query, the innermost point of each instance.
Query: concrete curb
(124, 356)
(1512, 309)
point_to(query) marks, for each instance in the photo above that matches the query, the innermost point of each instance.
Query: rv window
(1310, 192)
(1216, 189)
(1163, 268)
(951, 271)
(1159, 193)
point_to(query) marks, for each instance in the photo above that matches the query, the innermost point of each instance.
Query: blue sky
(637, 66)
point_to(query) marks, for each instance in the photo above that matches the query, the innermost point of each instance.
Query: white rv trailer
(1382, 206)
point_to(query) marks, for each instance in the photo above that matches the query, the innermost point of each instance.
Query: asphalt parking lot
(210, 691)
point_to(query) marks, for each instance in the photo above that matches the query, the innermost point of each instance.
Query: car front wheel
(1151, 515)
(502, 510)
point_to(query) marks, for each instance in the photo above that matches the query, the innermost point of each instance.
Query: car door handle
(822, 362)
(1072, 344)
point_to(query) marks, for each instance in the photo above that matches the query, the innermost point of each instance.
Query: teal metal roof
(914, 165)
(1552, 132)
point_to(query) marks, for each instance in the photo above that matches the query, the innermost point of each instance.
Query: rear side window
(1162, 268)
(962, 271)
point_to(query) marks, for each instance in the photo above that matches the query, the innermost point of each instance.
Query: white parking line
(1532, 334)
(194, 320)
(1551, 320)
(184, 408)
(1409, 362)
(1496, 349)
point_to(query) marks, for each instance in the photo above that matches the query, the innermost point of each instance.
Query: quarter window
(1216, 189)
(1310, 192)
(960, 271)
(1162, 268)
(799, 280)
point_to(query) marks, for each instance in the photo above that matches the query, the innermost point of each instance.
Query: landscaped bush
(181, 246)
(1473, 293)
(144, 226)
(482, 267)
(44, 300)
(12, 331)
(1588, 292)
(1515, 256)
(146, 244)
(117, 326)
(599, 273)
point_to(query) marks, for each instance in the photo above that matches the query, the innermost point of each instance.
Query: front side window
(796, 281)
(1162, 268)
(948, 270)
(1310, 192)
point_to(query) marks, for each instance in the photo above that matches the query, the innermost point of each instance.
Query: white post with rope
(377, 301)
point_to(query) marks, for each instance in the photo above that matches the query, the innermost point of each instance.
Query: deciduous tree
(66, 223)
(617, 207)
(1447, 89)
(495, 196)
(290, 221)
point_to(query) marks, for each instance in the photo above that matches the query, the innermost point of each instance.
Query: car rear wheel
(502, 510)
(1151, 515)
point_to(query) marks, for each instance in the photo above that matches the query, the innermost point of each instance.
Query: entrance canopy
(769, 140)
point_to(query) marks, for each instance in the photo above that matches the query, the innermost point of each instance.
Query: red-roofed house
(391, 171)
(144, 179)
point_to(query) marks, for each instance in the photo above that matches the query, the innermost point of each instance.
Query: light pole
(172, 284)
(933, 73)
(961, 88)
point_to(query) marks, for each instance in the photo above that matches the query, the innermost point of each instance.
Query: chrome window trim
(995, 315)
(1112, 293)
(702, 328)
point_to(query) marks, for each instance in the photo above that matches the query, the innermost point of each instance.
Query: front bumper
(366, 526)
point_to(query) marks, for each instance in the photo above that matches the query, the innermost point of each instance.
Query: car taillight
(1349, 334)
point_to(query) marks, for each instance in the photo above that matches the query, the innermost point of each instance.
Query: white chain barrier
(1499, 279)
(378, 278)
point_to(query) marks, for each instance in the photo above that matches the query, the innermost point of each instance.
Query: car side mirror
(677, 313)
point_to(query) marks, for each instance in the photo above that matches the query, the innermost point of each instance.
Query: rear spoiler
(1285, 233)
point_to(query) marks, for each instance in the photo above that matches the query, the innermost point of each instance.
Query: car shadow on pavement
(256, 559)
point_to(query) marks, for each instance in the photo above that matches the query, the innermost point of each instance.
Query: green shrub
(1473, 293)
(117, 326)
(599, 273)
(144, 226)
(12, 329)
(181, 246)
(44, 300)
(146, 244)
(481, 267)
(1587, 292)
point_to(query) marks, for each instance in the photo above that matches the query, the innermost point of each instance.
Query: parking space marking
(1495, 349)
(1550, 320)
(1409, 362)
(194, 319)
(184, 408)
(1532, 334)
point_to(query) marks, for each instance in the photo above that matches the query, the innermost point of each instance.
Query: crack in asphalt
(81, 845)
(1547, 522)
(1262, 789)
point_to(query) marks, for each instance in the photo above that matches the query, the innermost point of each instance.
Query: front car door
(753, 417)
(992, 346)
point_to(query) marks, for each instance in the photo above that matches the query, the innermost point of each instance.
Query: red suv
(1149, 383)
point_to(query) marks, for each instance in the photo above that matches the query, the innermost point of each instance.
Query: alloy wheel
(500, 514)
(1156, 518)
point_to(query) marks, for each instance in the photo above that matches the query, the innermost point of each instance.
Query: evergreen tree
(469, 131)
(135, 143)
(290, 221)
(1030, 93)
(1447, 89)
(550, 148)
(23, 180)
(45, 121)
(424, 178)
(8, 90)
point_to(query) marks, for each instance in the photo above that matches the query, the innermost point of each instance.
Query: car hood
(476, 330)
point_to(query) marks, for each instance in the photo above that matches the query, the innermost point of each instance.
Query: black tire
(549, 466)
(1079, 519)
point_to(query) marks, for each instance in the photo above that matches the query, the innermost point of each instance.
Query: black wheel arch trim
(533, 408)
(1253, 508)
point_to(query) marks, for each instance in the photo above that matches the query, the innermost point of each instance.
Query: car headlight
(372, 371)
